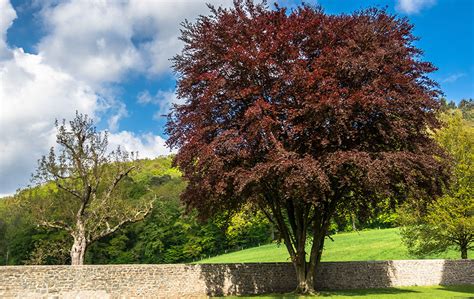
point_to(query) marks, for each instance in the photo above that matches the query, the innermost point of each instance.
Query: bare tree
(83, 188)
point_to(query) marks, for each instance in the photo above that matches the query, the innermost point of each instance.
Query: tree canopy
(448, 222)
(302, 113)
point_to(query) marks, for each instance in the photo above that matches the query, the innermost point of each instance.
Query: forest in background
(167, 235)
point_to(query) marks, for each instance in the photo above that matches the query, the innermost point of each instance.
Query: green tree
(17, 232)
(449, 221)
(248, 227)
(467, 108)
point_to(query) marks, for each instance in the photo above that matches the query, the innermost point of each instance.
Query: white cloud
(147, 145)
(101, 41)
(163, 99)
(7, 15)
(144, 98)
(32, 95)
(88, 48)
(90, 39)
(114, 120)
(453, 78)
(413, 6)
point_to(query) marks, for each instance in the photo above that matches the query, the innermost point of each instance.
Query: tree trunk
(304, 278)
(464, 252)
(293, 231)
(306, 285)
(78, 249)
(306, 271)
(354, 228)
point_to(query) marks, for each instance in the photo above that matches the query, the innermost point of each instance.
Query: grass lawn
(377, 244)
(466, 291)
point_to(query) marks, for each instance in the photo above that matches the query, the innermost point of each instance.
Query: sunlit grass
(465, 291)
(383, 244)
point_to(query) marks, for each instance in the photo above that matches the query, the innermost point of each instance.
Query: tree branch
(77, 160)
(269, 217)
(55, 224)
(139, 215)
(73, 192)
(117, 179)
(289, 242)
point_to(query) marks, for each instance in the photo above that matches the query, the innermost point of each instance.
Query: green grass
(466, 291)
(378, 244)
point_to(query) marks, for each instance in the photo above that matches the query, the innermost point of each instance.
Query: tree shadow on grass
(458, 276)
(365, 292)
(348, 293)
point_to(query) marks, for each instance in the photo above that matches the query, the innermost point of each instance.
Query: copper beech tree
(303, 113)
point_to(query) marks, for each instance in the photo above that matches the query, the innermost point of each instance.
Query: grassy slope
(395, 293)
(384, 244)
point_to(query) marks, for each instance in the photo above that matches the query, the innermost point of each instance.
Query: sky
(111, 60)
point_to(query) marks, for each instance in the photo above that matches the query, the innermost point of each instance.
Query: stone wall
(168, 281)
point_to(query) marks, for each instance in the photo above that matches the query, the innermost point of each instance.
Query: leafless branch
(55, 224)
(117, 180)
(73, 192)
(139, 215)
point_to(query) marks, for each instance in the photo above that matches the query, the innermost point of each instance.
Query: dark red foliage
(303, 111)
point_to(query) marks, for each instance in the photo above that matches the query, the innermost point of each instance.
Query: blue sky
(111, 60)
